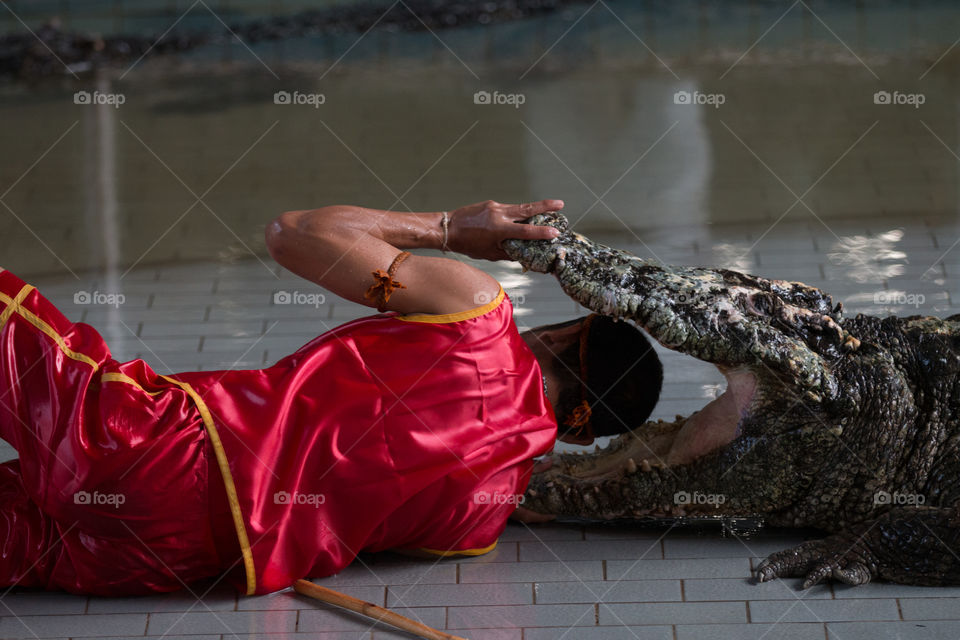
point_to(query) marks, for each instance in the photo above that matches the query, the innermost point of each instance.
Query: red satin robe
(390, 431)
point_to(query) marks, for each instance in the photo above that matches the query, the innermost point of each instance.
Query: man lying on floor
(413, 429)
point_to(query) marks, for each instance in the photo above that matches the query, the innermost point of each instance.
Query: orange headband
(580, 418)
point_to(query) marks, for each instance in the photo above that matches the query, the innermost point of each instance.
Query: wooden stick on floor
(370, 610)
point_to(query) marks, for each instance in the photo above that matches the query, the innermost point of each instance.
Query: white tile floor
(551, 581)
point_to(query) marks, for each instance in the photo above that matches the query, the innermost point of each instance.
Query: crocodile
(847, 425)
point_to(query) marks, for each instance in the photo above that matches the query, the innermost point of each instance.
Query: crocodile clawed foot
(818, 560)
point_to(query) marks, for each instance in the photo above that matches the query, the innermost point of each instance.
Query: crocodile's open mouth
(760, 333)
(662, 444)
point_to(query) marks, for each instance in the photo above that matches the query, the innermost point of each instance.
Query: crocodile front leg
(907, 545)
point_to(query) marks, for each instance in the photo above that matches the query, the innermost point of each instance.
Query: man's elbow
(279, 232)
(288, 232)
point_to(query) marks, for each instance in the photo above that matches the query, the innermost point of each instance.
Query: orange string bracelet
(384, 284)
(580, 417)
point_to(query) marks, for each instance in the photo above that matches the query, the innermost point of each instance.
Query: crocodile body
(849, 425)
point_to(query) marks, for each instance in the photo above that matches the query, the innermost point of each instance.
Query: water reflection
(870, 259)
(600, 127)
(734, 255)
(101, 206)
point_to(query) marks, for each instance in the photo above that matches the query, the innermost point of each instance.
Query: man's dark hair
(623, 381)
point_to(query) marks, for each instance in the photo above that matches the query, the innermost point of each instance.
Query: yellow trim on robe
(35, 320)
(465, 552)
(120, 377)
(14, 306)
(454, 317)
(227, 482)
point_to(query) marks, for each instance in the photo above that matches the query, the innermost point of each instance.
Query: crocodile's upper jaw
(775, 342)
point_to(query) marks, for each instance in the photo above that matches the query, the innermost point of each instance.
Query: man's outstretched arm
(338, 247)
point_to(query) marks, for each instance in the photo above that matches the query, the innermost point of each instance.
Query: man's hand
(478, 229)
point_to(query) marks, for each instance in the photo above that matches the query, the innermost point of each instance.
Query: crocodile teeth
(645, 465)
(631, 466)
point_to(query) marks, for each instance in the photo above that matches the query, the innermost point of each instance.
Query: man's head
(620, 380)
